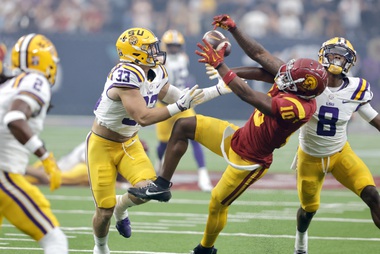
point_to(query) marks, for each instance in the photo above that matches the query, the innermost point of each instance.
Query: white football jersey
(326, 132)
(177, 68)
(35, 90)
(111, 113)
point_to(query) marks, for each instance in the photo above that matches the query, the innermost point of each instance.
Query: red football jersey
(261, 134)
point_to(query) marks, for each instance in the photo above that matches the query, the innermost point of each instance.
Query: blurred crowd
(260, 18)
(267, 20)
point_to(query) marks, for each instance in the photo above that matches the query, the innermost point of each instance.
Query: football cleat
(203, 250)
(300, 252)
(152, 191)
(124, 227)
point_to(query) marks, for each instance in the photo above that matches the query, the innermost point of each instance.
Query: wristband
(13, 116)
(44, 156)
(33, 144)
(230, 75)
(173, 109)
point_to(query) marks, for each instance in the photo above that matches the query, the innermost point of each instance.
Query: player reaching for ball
(323, 146)
(248, 150)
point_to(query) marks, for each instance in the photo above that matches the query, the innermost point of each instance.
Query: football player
(127, 103)
(248, 150)
(323, 146)
(177, 67)
(24, 101)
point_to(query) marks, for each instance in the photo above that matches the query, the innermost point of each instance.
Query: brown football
(217, 41)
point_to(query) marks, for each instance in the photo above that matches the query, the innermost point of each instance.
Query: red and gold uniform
(251, 144)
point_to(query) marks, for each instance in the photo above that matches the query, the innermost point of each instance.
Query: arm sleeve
(367, 112)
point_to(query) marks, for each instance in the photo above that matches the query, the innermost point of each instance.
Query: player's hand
(222, 87)
(210, 55)
(224, 21)
(52, 170)
(212, 72)
(188, 97)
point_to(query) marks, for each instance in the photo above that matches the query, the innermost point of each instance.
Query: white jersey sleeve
(326, 132)
(35, 90)
(111, 113)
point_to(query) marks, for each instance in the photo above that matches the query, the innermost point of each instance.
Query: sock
(162, 182)
(55, 241)
(123, 202)
(101, 242)
(301, 240)
(161, 150)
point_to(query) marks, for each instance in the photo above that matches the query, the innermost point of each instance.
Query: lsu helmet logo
(310, 82)
(133, 40)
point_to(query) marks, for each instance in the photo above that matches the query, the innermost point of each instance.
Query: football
(217, 41)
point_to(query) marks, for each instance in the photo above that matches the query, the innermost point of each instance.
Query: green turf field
(62, 134)
(260, 221)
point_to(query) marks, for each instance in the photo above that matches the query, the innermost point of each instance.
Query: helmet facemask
(337, 46)
(154, 53)
(303, 77)
(284, 78)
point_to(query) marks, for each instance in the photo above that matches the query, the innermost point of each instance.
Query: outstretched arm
(261, 101)
(253, 73)
(250, 46)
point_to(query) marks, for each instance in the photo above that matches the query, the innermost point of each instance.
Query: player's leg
(206, 130)
(163, 131)
(76, 156)
(23, 205)
(232, 184)
(204, 182)
(352, 172)
(137, 169)
(102, 175)
(78, 175)
(310, 177)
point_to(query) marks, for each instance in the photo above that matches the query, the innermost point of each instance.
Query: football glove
(212, 72)
(186, 100)
(212, 92)
(52, 170)
(210, 55)
(224, 21)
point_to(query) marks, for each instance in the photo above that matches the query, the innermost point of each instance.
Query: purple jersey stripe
(23, 207)
(360, 90)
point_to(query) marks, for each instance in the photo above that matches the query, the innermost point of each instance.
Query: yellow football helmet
(339, 46)
(35, 52)
(172, 39)
(140, 46)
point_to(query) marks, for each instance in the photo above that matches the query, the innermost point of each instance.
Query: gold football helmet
(337, 46)
(35, 52)
(172, 41)
(140, 46)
